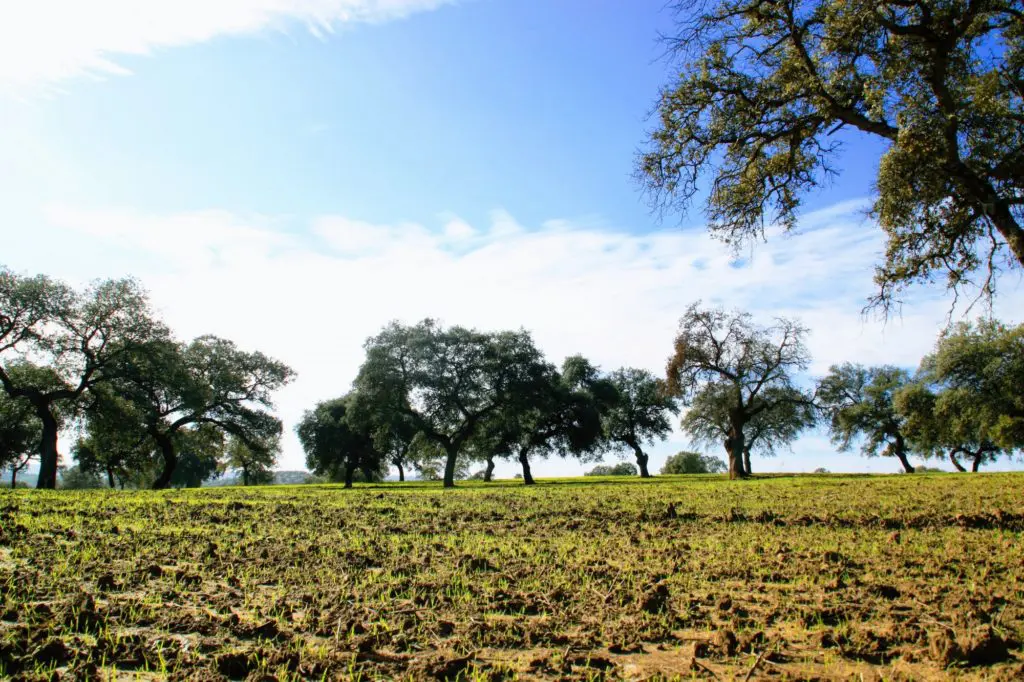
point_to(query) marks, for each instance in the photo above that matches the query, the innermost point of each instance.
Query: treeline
(441, 399)
(149, 410)
(428, 396)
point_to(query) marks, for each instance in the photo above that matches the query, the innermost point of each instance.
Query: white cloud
(312, 297)
(45, 41)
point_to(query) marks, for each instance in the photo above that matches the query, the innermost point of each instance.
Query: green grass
(675, 577)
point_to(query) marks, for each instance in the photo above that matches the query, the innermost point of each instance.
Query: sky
(294, 174)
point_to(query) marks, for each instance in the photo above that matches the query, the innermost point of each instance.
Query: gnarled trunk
(170, 456)
(955, 461)
(401, 471)
(489, 471)
(48, 456)
(524, 459)
(110, 477)
(641, 459)
(14, 477)
(734, 445)
(350, 471)
(902, 457)
(452, 454)
(976, 464)
(746, 462)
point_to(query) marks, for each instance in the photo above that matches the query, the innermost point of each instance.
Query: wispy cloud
(45, 41)
(312, 296)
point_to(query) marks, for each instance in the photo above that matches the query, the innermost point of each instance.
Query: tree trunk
(641, 459)
(449, 466)
(524, 459)
(977, 460)
(350, 471)
(14, 478)
(166, 445)
(489, 471)
(746, 462)
(48, 456)
(735, 445)
(401, 471)
(110, 477)
(955, 461)
(902, 456)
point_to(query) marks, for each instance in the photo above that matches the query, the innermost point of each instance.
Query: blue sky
(293, 175)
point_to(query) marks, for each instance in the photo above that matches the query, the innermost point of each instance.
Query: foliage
(76, 479)
(639, 413)
(787, 414)
(80, 338)
(693, 463)
(335, 446)
(967, 399)
(765, 86)
(619, 469)
(733, 371)
(20, 431)
(859, 402)
(556, 414)
(256, 466)
(175, 388)
(446, 381)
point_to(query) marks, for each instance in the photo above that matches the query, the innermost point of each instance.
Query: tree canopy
(859, 402)
(448, 380)
(787, 415)
(336, 444)
(81, 338)
(693, 463)
(764, 87)
(639, 412)
(966, 399)
(739, 370)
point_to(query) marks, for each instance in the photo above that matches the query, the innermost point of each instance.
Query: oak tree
(741, 368)
(764, 88)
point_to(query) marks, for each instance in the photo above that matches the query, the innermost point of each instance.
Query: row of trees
(737, 379)
(428, 394)
(429, 398)
(149, 409)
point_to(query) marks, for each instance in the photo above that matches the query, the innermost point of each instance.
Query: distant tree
(639, 414)
(822, 470)
(447, 380)
(255, 465)
(693, 463)
(967, 399)
(620, 469)
(77, 336)
(392, 431)
(789, 412)
(750, 371)
(209, 382)
(76, 479)
(336, 445)
(554, 416)
(113, 442)
(20, 432)
(764, 86)
(859, 403)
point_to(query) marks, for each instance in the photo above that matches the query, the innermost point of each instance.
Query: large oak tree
(765, 86)
(448, 380)
(81, 337)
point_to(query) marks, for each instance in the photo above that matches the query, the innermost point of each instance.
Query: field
(902, 577)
